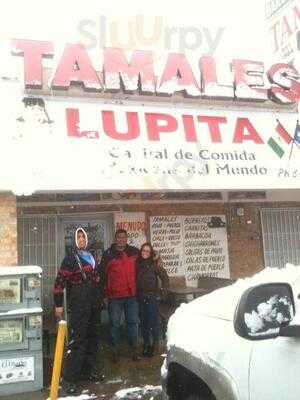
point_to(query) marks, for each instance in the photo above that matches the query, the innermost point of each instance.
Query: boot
(153, 349)
(146, 349)
(135, 354)
(93, 376)
(69, 387)
(115, 356)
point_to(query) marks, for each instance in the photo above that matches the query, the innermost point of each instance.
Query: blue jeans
(149, 320)
(129, 306)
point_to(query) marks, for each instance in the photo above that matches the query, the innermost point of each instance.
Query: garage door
(281, 236)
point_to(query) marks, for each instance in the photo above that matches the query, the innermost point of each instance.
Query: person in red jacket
(118, 271)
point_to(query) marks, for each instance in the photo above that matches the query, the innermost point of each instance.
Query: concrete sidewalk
(125, 374)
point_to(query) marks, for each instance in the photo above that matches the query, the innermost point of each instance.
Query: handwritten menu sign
(166, 237)
(205, 247)
(195, 244)
(134, 224)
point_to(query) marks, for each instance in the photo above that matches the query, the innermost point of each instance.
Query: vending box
(21, 330)
(21, 358)
(20, 287)
(20, 372)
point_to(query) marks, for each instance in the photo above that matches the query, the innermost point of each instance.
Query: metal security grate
(37, 245)
(281, 236)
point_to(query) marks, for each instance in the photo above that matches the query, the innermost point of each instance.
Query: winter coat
(69, 276)
(147, 274)
(118, 270)
(75, 281)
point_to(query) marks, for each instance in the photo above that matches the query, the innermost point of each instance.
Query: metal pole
(59, 349)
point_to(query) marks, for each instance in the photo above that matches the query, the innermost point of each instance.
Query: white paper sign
(134, 224)
(205, 247)
(193, 246)
(166, 237)
(14, 370)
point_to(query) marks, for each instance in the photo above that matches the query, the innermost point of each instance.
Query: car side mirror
(264, 310)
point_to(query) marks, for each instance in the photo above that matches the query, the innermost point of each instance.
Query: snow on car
(235, 342)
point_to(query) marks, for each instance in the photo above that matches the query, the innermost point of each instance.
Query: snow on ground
(137, 393)
(80, 397)
(148, 392)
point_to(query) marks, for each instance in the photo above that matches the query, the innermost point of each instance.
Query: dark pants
(84, 332)
(149, 320)
(129, 306)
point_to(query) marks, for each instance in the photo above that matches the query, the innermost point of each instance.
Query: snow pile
(269, 314)
(221, 305)
(80, 397)
(17, 311)
(137, 392)
(222, 302)
(21, 270)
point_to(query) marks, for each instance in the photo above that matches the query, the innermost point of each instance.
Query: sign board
(134, 224)
(193, 245)
(167, 239)
(134, 147)
(10, 292)
(13, 370)
(283, 26)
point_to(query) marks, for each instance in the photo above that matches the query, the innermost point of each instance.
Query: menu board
(205, 247)
(10, 290)
(11, 331)
(194, 245)
(166, 238)
(134, 224)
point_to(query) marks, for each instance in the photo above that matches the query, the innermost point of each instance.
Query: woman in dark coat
(149, 270)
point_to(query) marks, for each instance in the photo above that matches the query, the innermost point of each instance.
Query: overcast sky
(244, 33)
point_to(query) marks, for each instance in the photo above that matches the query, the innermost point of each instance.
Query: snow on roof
(20, 270)
(18, 311)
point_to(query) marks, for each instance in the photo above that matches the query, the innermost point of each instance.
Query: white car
(241, 342)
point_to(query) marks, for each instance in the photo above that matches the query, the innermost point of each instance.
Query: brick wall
(8, 230)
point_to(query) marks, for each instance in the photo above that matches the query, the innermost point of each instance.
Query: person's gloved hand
(59, 313)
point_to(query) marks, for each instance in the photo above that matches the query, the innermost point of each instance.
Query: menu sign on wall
(193, 246)
(166, 238)
(205, 247)
(134, 224)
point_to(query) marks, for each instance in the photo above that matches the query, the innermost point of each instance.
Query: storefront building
(208, 172)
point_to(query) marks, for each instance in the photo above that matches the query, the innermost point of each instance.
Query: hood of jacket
(80, 229)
